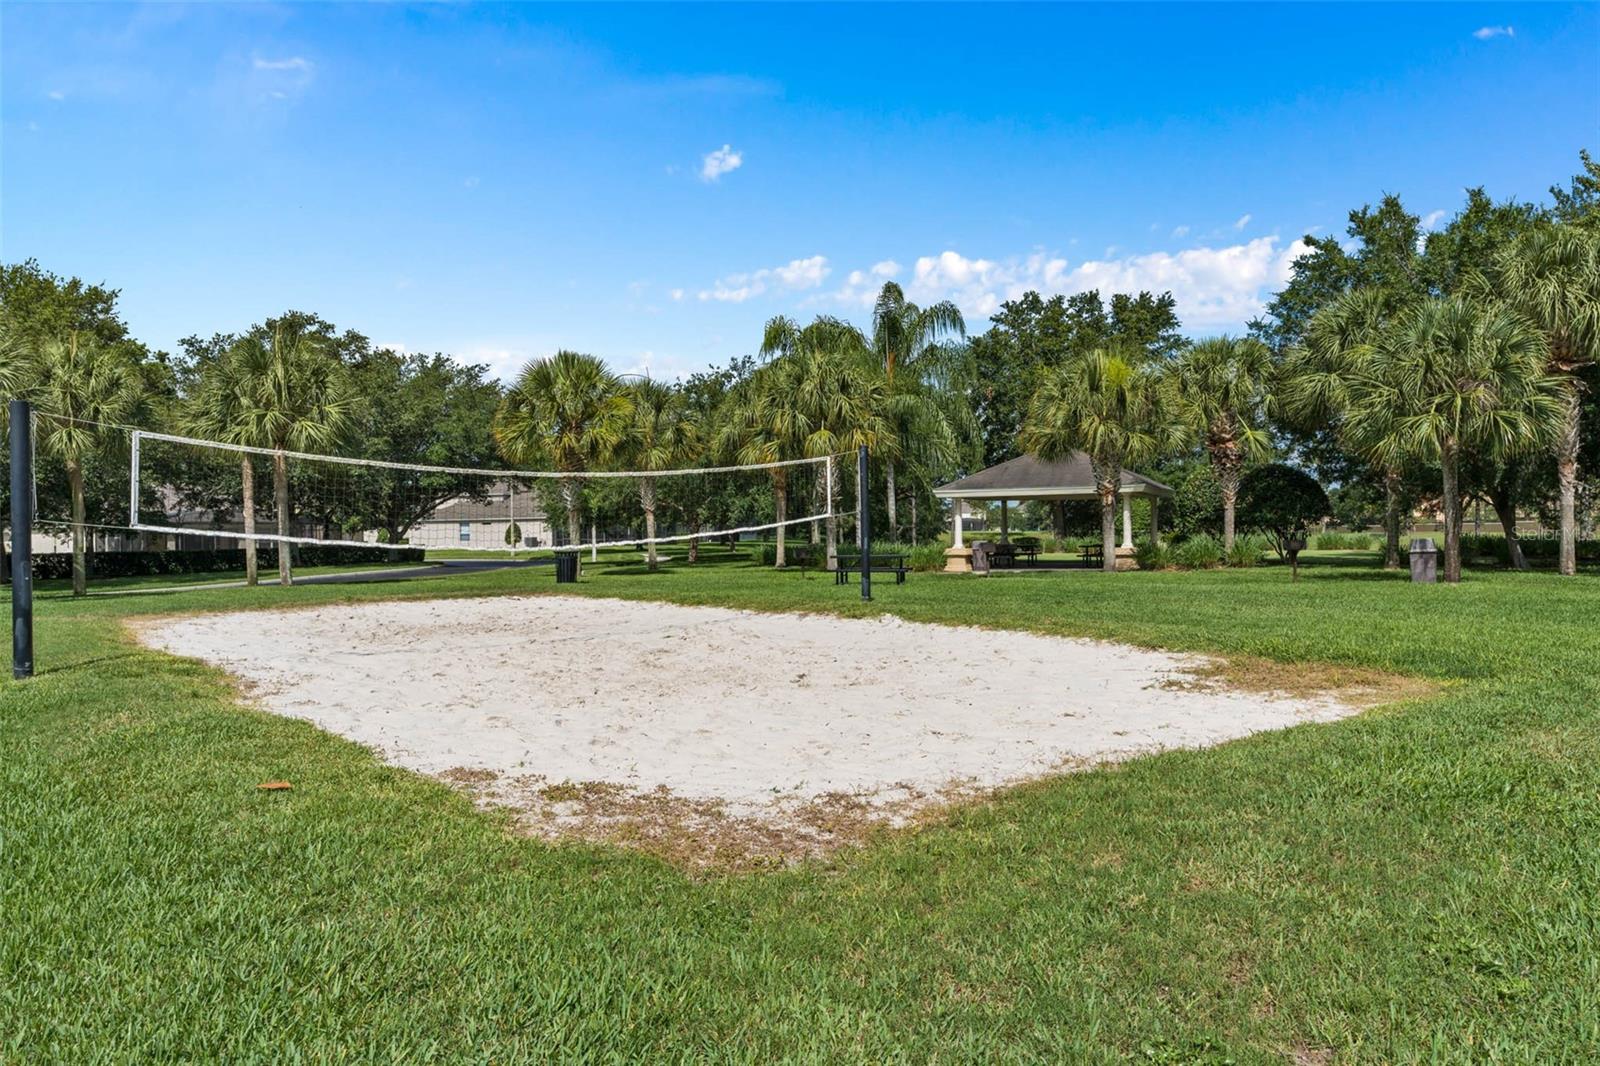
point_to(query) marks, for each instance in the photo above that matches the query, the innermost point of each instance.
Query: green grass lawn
(1420, 883)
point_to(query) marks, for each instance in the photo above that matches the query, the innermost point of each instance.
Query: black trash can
(566, 567)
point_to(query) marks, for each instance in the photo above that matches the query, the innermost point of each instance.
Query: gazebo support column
(957, 557)
(1155, 520)
(1127, 522)
(1005, 521)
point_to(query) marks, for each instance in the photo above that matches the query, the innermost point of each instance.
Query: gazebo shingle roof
(1029, 477)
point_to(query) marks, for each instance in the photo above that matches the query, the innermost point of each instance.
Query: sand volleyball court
(708, 732)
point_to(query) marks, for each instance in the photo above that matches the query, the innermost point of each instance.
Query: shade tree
(570, 413)
(1111, 406)
(1222, 390)
(1452, 377)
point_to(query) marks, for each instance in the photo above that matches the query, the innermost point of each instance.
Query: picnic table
(1091, 554)
(879, 563)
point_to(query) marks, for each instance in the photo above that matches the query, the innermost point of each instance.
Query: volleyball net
(228, 494)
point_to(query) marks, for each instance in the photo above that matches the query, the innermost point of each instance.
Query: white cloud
(299, 64)
(1180, 231)
(279, 79)
(504, 363)
(1244, 220)
(469, 183)
(1214, 287)
(1431, 219)
(861, 287)
(796, 275)
(677, 294)
(1485, 33)
(722, 161)
(56, 94)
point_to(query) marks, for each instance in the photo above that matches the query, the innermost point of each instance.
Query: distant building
(464, 522)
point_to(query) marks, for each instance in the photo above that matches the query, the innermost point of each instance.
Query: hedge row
(133, 564)
(1537, 549)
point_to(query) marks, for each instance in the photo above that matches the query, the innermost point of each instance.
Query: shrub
(1196, 505)
(1538, 549)
(1200, 552)
(1247, 550)
(1280, 501)
(1152, 556)
(1342, 542)
(139, 564)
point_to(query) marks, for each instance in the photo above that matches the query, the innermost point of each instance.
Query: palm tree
(215, 411)
(1552, 276)
(909, 343)
(1314, 384)
(662, 437)
(570, 412)
(1222, 388)
(80, 390)
(820, 396)
(14, 364)
(1455, 377)
(1105, 404)
(290, 396)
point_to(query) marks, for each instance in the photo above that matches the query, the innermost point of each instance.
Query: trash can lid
(1422, 544)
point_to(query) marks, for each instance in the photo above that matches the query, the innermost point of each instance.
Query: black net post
(21, 539)
(864, 521)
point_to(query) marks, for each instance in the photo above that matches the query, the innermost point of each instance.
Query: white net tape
(188, 487)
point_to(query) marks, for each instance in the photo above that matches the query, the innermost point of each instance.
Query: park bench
(1091, 555)
(880, 563)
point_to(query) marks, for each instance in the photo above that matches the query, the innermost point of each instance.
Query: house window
(466, 532)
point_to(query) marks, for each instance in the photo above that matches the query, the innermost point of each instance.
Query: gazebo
(1028, 477)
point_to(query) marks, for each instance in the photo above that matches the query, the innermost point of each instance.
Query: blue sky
(652, 183)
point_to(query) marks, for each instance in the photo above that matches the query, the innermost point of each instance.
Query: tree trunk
(888, 480)
(1567, 475)
(280, 489)
(1452, 517)
(1503, 498)
(1228, 479)
(247, 477)
(913, 518)
(1391, 520)
(1108, 529)
(80, 561)
(647, 498)
(570, 489)
(694, 541)
(1058, 519)
(780, 501)
(571, 492)
(1226, 461)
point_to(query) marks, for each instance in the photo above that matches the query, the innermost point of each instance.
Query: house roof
(1027, 477)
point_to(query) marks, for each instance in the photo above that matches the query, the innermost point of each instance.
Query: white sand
(761, 711)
